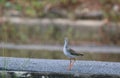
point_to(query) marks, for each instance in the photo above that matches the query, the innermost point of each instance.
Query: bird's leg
(69, 68)
(73, 62)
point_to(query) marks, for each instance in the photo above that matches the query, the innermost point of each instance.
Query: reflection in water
(59, 55)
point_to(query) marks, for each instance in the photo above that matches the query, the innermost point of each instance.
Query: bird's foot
(69, 68)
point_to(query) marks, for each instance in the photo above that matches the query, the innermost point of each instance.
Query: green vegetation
(31, 8)
(109, 9)
(45, 34)
(55, 34)
(44, 54)
(110, 34)
(38, 8)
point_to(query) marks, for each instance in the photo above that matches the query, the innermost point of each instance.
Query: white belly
(68, 54)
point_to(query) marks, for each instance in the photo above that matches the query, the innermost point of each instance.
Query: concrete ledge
(81, 48)
(47, 67)
(57, 21)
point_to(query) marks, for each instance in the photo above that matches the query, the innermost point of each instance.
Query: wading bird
(70, 53)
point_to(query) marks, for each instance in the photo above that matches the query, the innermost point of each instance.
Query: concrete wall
(58, 68)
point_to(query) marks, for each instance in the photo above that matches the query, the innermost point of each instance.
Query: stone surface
(49, 66)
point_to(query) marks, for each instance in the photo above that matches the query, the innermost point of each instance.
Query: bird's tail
(81, 54)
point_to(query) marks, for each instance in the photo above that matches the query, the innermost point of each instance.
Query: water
(45, 54)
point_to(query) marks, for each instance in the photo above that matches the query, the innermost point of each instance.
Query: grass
(53, 34)
(45, 34)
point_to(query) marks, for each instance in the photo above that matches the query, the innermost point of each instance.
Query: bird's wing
(74, 53)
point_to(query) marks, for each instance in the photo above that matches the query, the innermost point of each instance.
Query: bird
(70, 53)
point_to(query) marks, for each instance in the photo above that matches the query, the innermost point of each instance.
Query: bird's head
(66, 40)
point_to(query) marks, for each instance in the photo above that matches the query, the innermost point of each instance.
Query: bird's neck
(66, 45)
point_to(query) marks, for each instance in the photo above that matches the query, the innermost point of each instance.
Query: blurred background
(36, 28)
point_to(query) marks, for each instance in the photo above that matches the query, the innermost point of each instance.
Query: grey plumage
(72, 52)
